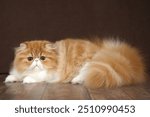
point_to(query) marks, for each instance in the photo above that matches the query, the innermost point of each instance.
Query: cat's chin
(36, 69)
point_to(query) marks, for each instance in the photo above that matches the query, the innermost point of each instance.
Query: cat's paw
(77, 80)
(11, 78)
(29, 79)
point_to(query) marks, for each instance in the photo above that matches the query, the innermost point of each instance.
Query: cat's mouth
(36, 67)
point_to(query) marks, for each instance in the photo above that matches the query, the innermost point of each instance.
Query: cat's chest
(38, 74)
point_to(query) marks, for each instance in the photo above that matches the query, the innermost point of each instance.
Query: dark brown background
(56, 19)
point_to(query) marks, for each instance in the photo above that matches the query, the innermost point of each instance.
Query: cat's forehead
(36, 44)
(35, 47)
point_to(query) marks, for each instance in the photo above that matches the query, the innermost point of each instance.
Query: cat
(96, 63)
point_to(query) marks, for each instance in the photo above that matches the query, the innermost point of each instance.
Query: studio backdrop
(53, 20)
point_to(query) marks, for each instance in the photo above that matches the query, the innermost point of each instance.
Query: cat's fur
(105, 63)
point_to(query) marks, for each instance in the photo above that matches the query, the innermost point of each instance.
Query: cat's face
(35, 55)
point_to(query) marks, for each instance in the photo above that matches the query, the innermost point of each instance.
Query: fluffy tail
(116, 64)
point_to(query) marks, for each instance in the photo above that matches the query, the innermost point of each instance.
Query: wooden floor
(45, 91)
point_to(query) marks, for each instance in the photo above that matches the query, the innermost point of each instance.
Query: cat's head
(35, 55)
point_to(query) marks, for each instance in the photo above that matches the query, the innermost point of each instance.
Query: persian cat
(98, 63)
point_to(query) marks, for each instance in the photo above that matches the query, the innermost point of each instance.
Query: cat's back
(77, 46)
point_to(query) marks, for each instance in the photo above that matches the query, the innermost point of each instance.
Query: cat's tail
(115, 66)
(104, 75)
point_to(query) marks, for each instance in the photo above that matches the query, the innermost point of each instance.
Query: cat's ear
(20, 48)
(51, 46)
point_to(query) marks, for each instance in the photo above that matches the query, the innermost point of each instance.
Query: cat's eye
(30, 58)
(42, 58)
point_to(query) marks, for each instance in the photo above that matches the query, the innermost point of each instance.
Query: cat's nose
(36, 60)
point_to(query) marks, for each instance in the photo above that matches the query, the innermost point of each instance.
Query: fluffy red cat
(105, 63)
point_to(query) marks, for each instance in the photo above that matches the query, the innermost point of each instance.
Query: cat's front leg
(11, 78)
(29, 79)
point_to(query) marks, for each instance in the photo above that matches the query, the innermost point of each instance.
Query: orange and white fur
(97, 63)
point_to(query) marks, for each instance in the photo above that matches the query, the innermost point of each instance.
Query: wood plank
(146, 85)
(108, 94)
(138, 92)
(66, 92)
(22, 91)
(34, 91)
(19, 90)
(3, 88)
(69, 91)
(12, 91)
(2, 77)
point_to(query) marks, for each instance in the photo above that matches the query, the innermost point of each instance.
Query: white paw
(29, 79)
(11, 78)
(77, 80)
